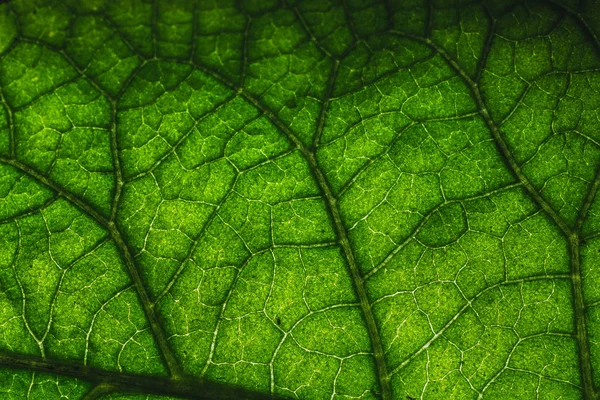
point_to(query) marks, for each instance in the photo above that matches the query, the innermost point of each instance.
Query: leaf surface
(306, 199)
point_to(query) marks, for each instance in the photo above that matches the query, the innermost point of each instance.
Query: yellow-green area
(302, 199)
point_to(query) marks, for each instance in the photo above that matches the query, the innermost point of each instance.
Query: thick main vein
(571, 235)
(334, 213)
(344, 242)
(583, 212)
(308, 155)
(109, 225)
(590, 391)
(110, 381)
(501, 144)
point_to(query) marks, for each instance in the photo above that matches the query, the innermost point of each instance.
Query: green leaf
(299, 199)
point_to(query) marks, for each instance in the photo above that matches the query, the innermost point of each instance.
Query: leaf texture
(332, 199)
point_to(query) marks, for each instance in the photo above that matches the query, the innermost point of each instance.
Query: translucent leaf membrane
(301, 199)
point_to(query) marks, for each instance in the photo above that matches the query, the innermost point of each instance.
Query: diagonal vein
(344, 242)
(590, 391)
(591, 195)
(183, 385)
(334, 213)
(109, 225)
(12, 145)
(571, 235)
(111, 381)
(465, 307)
(501, 144)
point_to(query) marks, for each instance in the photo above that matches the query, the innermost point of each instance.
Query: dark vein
(15, 39)
(426, 218)
(581, 20)
(387, 148)
(585, 362)
(501, 144)
(81, 204)
(331, 200)
(342, 236)
(157, 329)
(245, 37)
(117, 30)
(325, 104)
(486, 47)
(572, 236)
(109, 225)
(350, 20)
(309, 33)
(186, 135)
(12, 144)
(428, 18)
(117, 169)
(596, 183)
(589, 200)
(574, 246)
(383, 76)
(590, 391)
(469, 304)
(29, 211)
(389, 12)
(187, 387)
(38, 96)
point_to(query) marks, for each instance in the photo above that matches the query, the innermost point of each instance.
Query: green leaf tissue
(299, 199)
